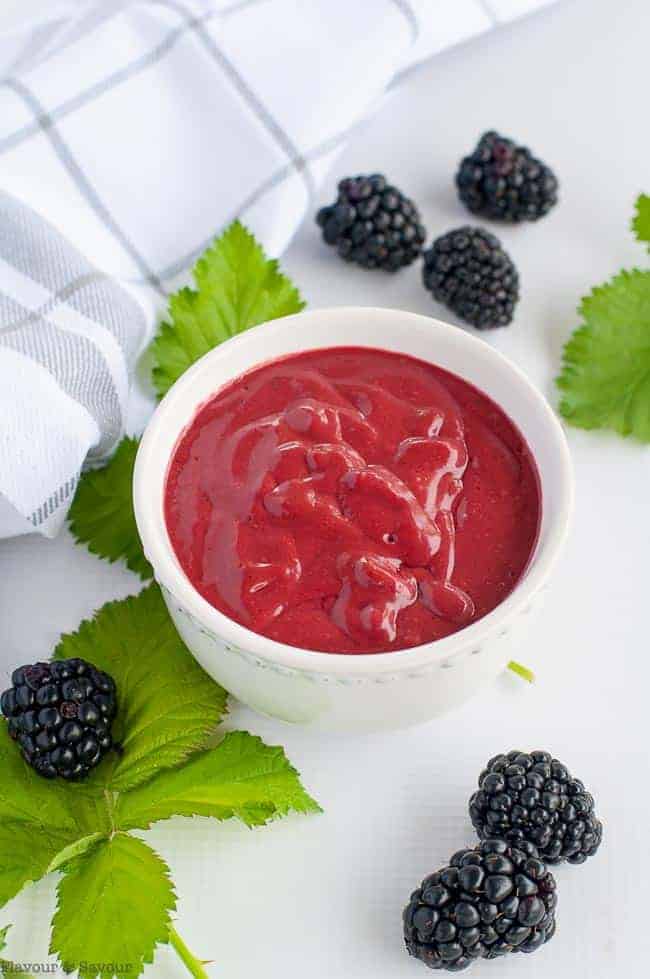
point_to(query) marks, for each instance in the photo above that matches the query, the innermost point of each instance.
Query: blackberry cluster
(60, 714)
(534, 797)
(468, 271)
(504, 181)
(373, 224)
(491, 900)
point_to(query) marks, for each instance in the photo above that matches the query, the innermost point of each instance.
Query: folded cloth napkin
(131, 132)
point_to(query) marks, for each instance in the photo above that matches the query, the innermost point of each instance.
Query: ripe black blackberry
(60, 714)
(490, 900)
(373, 224)
(504, 181)
(468, 271)
(534, 797)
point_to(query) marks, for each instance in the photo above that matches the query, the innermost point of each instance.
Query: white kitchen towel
(131, 133)
(67, 336)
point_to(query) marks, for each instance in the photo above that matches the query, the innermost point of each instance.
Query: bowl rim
(172, 578)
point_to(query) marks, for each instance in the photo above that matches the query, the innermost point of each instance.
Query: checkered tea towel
(131, 132)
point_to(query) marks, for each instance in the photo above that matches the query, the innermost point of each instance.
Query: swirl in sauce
(352, 500)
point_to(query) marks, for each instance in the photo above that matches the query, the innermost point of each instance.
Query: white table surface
(321, 897)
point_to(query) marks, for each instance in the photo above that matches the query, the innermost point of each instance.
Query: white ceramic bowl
(369, 691)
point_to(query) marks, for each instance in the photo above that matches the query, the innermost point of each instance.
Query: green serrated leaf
(75, 849)
(28, 799)
(168, 706)
(36, 821)
(641, 219)
(3, 937)
(102, 515)
(25, 856)
(605, 379)
(237, 287)
(113, 908)
(241, 777)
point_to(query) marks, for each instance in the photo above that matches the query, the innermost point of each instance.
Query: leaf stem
(521, 671)
(193, 965)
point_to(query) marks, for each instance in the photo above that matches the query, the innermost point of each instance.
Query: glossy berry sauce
(352, 500)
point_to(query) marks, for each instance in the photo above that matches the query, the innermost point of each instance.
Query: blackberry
(468, 271)
(493, 899)
(533, 797)
(504, 181)
(60, 714)
(373, 224)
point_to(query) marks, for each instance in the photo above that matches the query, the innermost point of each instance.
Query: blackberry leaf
(605, 379)
(242, 777)
(641, 220)
(102, 516)
(36, 821)
(72, 851)
(115, 897)
(26, 855)
(237, 287)
(113, 909)
(168, 706)
(27, 799)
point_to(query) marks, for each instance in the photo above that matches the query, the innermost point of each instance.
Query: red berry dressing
(352, 500)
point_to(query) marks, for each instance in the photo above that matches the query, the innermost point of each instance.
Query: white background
(321, 897)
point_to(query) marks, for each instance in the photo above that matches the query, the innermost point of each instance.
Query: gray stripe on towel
(74, 361)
